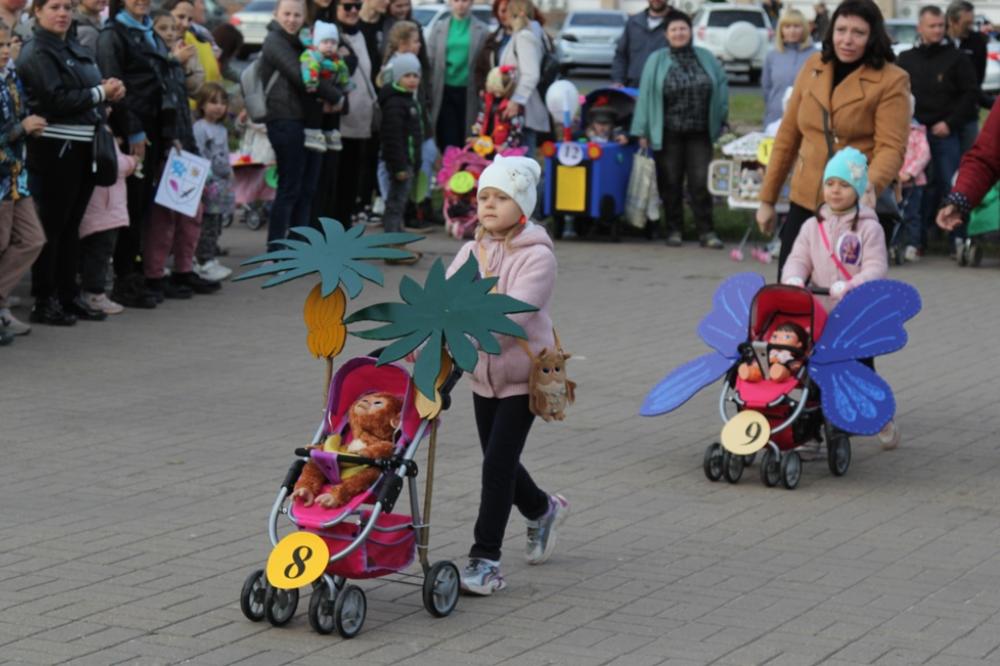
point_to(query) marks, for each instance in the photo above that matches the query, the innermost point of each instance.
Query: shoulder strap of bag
(833, 255)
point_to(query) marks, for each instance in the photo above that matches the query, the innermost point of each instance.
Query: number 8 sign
(746, 433)
(297, 560)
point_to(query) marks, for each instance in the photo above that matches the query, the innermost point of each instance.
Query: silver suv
(738, 35)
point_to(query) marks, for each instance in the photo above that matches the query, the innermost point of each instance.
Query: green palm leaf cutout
(336, 254)
(454, 311)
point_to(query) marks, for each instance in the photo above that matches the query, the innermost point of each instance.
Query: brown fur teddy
(549, 390)
(373, 420)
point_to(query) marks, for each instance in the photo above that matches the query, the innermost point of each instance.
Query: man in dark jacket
(643, 34)
(961, 16)
(944, 86)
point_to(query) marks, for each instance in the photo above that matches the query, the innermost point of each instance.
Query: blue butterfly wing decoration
(680, 385)
(723, 329)
(868, 322)
(854, 397)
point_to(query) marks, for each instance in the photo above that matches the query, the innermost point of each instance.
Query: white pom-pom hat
(516, 177)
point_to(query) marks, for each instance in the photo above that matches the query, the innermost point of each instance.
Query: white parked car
(991, 82)
(588, 39)
(738, 35)
(252, 21)
(903, 33)
(428, 15)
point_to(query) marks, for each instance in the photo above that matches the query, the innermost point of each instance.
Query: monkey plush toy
(785, 349)
(373, 420)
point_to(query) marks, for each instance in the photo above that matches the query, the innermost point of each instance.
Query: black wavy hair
(878, 50)
(675, 15)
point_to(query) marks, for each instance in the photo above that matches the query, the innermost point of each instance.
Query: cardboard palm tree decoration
(339, 256)
(445, 315)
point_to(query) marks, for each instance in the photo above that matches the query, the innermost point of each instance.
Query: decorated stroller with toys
(827, 394)
(340, 492)
(363, 538)
(458, 177)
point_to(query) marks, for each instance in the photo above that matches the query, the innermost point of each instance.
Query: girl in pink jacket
(844, 245)
(106, 213)
(518, 252)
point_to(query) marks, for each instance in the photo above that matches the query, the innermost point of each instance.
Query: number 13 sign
(746, 433)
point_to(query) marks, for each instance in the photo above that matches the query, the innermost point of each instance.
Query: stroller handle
(819, 291)
(445, 390)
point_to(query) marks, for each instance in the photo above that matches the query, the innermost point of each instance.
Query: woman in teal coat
(683, 104)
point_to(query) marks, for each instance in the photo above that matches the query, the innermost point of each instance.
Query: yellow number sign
(297, 560)
(746, 433)
(764, 150)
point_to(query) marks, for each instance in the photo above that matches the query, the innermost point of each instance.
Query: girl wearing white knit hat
(514, 249)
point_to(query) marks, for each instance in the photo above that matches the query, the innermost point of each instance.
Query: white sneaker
(315, 140)
(11, 324)
(482, 577)
(378, 207)
(212, 270)
(889, 436)
(911, 254)
(102, 303)
(542, 532)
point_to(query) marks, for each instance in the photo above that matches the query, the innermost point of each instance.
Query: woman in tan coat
(850, 94)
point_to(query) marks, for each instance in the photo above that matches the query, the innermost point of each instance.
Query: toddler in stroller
(344, 502)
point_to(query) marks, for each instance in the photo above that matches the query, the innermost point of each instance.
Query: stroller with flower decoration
(830, 397)
(458, 176)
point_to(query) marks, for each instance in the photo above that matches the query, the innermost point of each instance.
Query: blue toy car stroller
(588, 180)
(364, 538)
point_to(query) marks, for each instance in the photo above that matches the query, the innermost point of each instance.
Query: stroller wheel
(838, 454)
(280, 605)
(253, 218)
(713, 462)
(791, 470)
(349, 611)
(252, 596)
(441, 589)
(321, 605)
(732, 467)
(770, 468)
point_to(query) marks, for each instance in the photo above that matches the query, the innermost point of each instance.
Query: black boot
(83, 311)
(130, 292)
(195, 283)
(168, 288)
(49, 311)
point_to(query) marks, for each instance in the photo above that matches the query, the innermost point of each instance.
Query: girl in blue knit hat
(843, 245)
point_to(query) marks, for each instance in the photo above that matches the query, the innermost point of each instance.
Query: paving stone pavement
(141, 456)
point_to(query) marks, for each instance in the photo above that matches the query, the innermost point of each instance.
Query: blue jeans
(298, 175)
(967, 135)
(945, 156)
(912, 231)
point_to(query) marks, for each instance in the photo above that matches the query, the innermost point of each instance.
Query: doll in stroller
(824, 393)
(359, 536)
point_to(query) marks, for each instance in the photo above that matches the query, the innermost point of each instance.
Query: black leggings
(503, 425)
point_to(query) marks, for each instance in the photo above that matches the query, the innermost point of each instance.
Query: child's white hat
(515, 176)
(323, 31)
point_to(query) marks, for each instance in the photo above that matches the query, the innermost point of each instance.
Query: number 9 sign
(297, 560)
(746, 433)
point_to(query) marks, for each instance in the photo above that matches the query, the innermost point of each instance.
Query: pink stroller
(364, 537)
(458, 176)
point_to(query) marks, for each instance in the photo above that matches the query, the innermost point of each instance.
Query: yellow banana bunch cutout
(427, 408)
(324, 319)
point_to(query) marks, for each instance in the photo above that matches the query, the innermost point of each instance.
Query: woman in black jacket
(63, 85)
(298, 168)
(128, 49)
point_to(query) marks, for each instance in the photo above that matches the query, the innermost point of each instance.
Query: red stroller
(365, 538)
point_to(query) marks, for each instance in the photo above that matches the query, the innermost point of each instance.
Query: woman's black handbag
(105, 158)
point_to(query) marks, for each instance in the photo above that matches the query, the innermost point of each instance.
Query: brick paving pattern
(141, 456)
